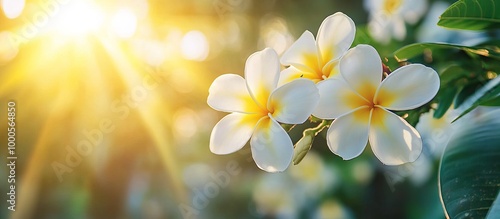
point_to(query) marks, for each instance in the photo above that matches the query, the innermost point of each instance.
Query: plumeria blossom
(317, 59)
(257, 105)
(388, 17)
(360, 102)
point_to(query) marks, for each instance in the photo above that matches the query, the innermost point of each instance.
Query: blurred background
(112, 120)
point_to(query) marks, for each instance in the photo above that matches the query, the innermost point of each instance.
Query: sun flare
(79, 18)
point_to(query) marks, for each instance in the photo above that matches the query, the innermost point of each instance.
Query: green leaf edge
(444, 20)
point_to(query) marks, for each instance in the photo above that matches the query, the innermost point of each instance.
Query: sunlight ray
(156, 129)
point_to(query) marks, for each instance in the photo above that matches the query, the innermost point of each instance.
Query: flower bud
(303, 146)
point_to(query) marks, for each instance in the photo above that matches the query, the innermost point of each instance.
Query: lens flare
(124, 23)
(79, 18)
(8, 51)
(12, 8)
(194, 46)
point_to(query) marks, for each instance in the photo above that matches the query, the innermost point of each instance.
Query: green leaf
(469, 174)
(445, 98)
(492, 102)
(486, 94)
(495, 209)
(451, 73)
(468, 90)
(413, 50)
(472, 15)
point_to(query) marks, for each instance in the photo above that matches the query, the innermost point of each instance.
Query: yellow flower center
(370, 105)
(318, 66)
(390, 6)
(259, 104)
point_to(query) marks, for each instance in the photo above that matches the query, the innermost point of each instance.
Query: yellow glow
(12, 8)
(379, 118)
(275, 34)
(7, 50)
(79, 17)
(491, 75)
(385, 98)
(185, 122)
(194, 46)
(124, 23)
(311, 61)
(316, 64)
(391, 6)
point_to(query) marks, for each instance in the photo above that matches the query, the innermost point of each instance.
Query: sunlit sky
(87, 62)
(68, 20)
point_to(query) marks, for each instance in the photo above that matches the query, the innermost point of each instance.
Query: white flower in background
(317, 59)
(332, 209)
(275, 195)
(435, 132)
(256, 106)
(314, 177)
(389, 17)
(285, 195)
(361, 102)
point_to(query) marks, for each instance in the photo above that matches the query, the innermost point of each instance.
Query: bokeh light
(129, 80)
(8, 50)
(194, 46)
(12, 8)
(124, 23)
(78, 18)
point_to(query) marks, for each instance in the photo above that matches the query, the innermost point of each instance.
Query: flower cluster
(326, 79)
(388, 18)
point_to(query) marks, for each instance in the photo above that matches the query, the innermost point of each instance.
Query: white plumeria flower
(256, 106)
(388, 17)
(317, 59)
(435, 132)
(360, 104)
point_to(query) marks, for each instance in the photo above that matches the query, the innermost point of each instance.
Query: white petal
(408, 87)
(336, 99)
(373, 6)
(392, 139)
(331, 69)
(228, 93)
(361, 67)
(412, 11)
(294, 102)
(380, 27)
(272, 149)
(348, 134)
(232, 132)
(398, 27)
(335, 36)
(291, 73)
(303, 54)
(262, 74)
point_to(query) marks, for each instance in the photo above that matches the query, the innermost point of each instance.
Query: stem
(302, 147)
(316, 130)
